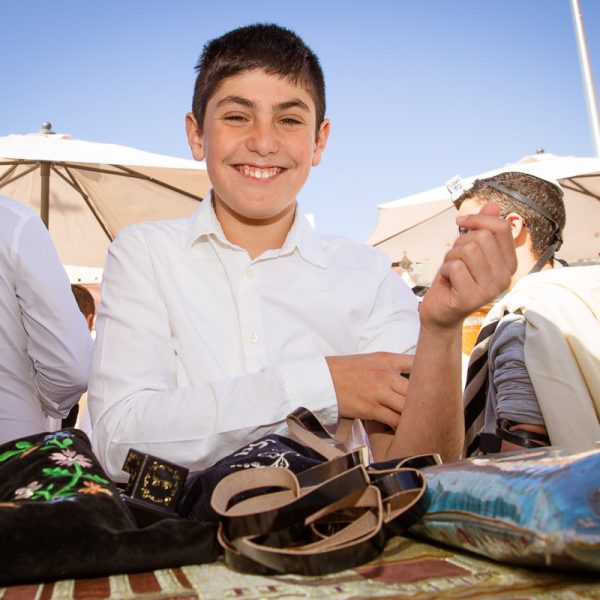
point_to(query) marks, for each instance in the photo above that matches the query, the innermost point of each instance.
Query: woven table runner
(406, 569)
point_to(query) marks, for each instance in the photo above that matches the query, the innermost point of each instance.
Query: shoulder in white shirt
(45, 347)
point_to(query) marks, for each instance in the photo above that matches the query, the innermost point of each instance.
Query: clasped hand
(371, 386)
(477, 268)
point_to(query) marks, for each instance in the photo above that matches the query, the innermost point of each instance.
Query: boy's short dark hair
(545, 194)
(274, 49)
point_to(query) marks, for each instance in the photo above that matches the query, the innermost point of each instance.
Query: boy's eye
(290, 121)
(235, 118)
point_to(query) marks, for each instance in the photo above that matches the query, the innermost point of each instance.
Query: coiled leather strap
(330, 517)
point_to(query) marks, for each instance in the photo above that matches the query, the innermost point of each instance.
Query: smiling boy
(260, 135)
(213, 328)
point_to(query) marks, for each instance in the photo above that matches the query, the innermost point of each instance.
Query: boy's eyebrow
(295, 103)
(237, 100)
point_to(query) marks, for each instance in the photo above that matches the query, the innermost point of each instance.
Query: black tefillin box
(154, 488)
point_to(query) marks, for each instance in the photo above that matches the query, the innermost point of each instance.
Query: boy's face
(258, 140)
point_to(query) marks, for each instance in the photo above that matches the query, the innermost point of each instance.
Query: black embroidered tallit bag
(61, 517)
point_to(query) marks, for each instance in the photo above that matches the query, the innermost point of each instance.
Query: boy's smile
(258, 173)
(259, 139)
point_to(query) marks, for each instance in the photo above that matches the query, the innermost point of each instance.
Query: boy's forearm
(432, 419)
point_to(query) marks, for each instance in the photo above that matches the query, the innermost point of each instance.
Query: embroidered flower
(27, 491)
(67, 458)
(260, 444)
(93, 488)
(57, 435)
(279, 459)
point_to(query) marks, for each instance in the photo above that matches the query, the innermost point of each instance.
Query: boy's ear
(194, 137)
(517, 225)
(321, 141)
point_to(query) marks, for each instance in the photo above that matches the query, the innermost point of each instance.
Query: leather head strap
(557, 240)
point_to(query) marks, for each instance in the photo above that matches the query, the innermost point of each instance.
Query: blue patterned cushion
(535, 507)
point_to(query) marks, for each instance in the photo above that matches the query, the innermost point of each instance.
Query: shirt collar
(301, 237)
(204, 223)
(305, 240)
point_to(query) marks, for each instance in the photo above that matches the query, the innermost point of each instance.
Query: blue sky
(417, 90)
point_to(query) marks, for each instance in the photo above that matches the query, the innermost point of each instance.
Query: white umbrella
(86, 191)
(422, 227)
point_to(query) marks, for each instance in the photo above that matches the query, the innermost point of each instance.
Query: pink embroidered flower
(27, 491)
(93, 488)
(67, 458)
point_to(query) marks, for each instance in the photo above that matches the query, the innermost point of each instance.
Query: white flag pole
(586, 72)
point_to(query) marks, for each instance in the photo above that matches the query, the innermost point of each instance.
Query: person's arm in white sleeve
(135, 398)
(59, 343)
(393, 325)
(372, 384)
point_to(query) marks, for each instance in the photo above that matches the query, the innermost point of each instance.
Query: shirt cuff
(308, 383)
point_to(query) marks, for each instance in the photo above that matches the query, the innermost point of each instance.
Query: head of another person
(258, 118)
(526, 222)
(86, 303)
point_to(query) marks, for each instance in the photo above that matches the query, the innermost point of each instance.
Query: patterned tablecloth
(406, 569)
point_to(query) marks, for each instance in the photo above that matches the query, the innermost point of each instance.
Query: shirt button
(249, 273)
(253, 338)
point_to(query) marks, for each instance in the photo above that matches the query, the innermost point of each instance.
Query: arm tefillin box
(154, 487)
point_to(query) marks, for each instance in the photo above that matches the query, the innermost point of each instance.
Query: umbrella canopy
(85, 191)
(422, 227)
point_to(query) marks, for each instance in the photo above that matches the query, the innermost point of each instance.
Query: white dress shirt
(45, 346)
(199, 348)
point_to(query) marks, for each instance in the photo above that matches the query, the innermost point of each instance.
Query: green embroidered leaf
(65, 494)
(95, 478)
(23, 445)
(64, 443)
(53, 443)
(56, 472)
(41, 494)
(9, 454)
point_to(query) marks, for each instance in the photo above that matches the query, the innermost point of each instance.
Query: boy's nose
(263, 139)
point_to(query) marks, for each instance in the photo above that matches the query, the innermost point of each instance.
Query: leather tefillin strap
(520, 437)
(328, 518)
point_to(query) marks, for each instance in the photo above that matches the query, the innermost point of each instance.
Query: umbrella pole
(45, 192)
(586, 72)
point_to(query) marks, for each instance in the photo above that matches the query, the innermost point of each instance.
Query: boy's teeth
(259, 173)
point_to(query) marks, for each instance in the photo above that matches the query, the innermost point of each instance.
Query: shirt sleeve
(136, 399)
(59, 343)
(515, 396)
(393, 324)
